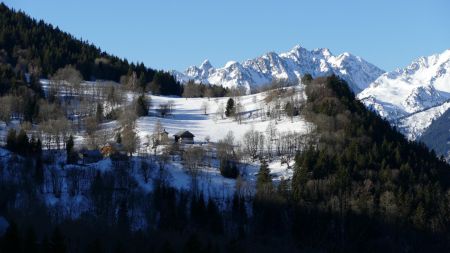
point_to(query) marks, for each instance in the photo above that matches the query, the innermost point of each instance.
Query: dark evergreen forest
(33, 47)
(359, 186)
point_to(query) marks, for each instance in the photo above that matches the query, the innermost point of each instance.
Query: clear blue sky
(168, 34)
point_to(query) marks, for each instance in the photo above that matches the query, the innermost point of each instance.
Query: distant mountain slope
(423, 84)
(437, 135)
(416, 99)
(289, 66)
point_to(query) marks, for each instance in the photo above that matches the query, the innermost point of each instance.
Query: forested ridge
(28, 46)
(358, 185)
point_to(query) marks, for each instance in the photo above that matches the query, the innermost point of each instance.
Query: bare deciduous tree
(130, 140)
(251, 140)
(204, 107)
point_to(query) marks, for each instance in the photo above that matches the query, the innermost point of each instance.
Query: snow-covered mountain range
(412, 97)
(290, 66)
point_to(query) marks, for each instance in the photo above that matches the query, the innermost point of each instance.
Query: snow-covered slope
(289, 66)
(189, 115)
(425, 83)
(414, 125)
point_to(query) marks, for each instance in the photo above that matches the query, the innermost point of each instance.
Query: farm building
(184, 137)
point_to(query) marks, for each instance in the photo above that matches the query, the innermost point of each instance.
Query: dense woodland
(358, 184)
(32, 49)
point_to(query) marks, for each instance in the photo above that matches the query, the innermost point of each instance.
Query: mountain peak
(323, 51)
(230, 63)
(288, 66)
(206, 64)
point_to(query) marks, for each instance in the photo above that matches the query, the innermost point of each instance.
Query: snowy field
(188, 115)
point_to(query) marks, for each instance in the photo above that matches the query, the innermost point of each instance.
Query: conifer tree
(71, 155)
(264, 177)
(141, 106)
(11, 139)
(230, 108)
(99, 113)
(22, 142)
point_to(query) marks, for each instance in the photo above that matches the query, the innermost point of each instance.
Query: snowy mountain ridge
(290, 66)
(413, 96)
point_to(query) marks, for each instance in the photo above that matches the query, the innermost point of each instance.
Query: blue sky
(169, 34)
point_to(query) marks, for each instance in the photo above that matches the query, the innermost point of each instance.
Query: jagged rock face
(414, 96)
(290, 66)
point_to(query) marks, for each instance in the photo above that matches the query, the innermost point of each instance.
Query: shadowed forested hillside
(28, 46)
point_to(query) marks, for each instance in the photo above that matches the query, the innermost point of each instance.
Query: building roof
(184, 134)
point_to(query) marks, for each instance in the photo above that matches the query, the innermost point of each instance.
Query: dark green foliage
(72, 155)
(306, 79)
(165, 84)
(141, 106)
(228, 169)
(11, 142)
(21, 144)
(40, 49)
(69, 145)
(11, 241)
(291, 110)
(99, 113)
(230, 108)
(366, 166)
(119, 138)
(192, 89)
(263, 178)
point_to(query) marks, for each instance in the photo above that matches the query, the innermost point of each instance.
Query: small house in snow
(184, 137)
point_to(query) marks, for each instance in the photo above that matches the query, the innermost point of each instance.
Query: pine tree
(71, 155)
(228, 169)
(99, 113)
(22, 142)
(11, 140)
(306, 79)
(141, 106)
(119, 138)
(230, 108)
(264, 177)
(69, 145)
